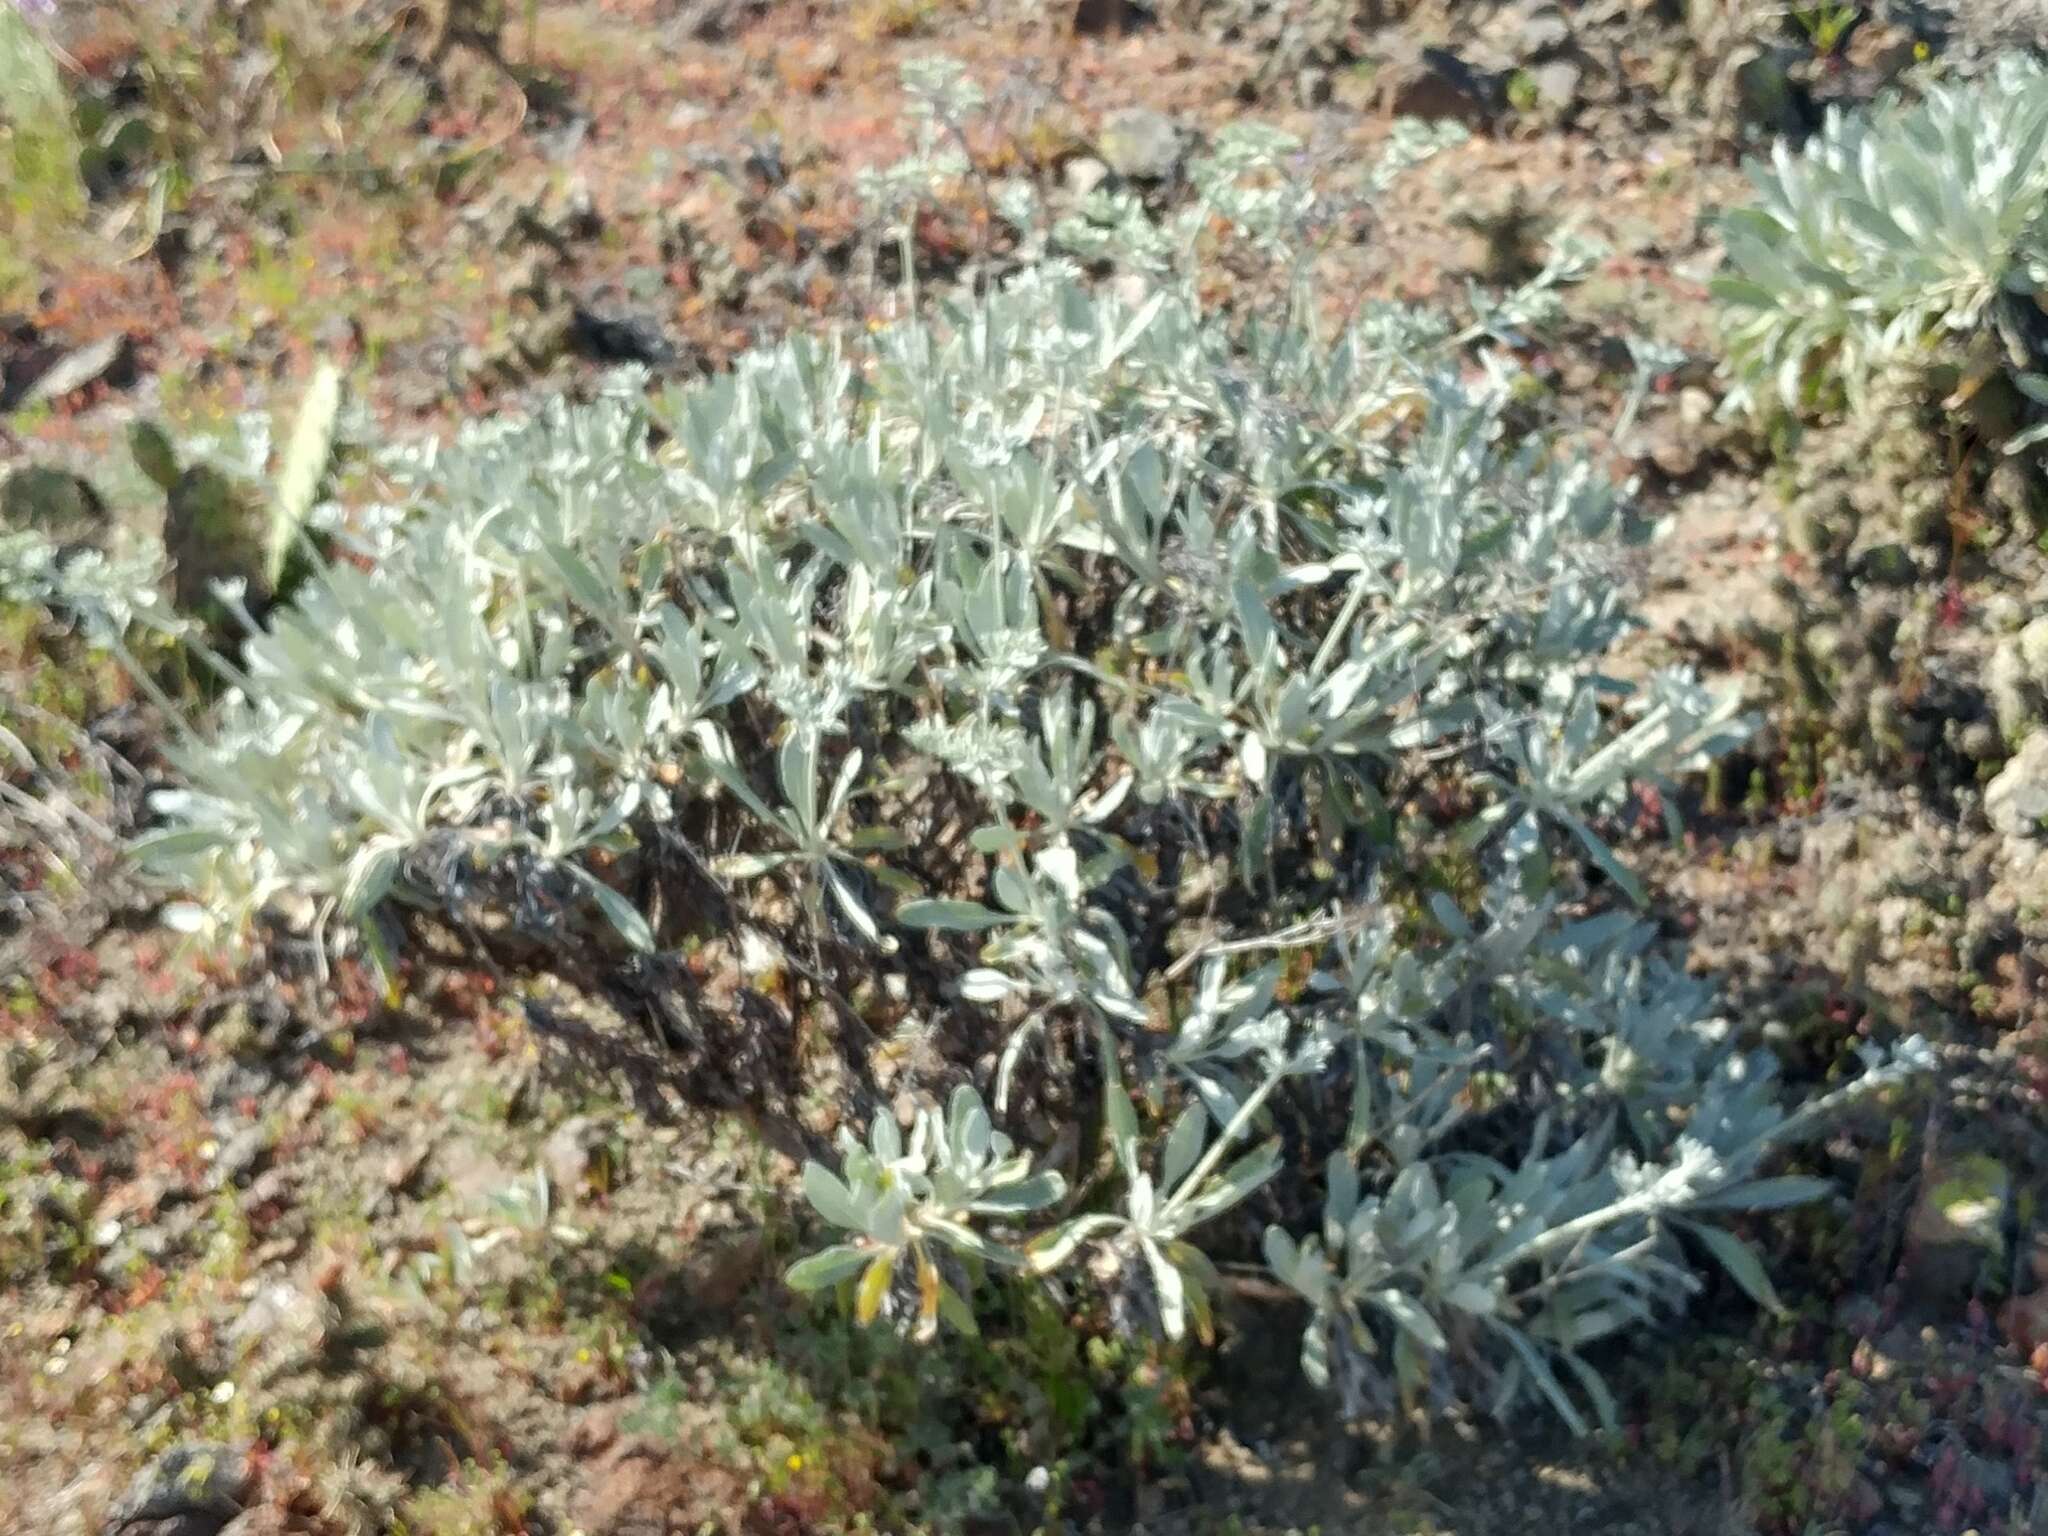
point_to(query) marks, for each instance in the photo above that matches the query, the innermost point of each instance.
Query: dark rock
(51, 501)
(1766, 97)
(190, 1490)
(1097, 18)
(1886, 565)
(25, 354)
(1439, 86)
(614, 339)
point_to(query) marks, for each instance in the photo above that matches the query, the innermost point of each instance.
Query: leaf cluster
(1889, 231)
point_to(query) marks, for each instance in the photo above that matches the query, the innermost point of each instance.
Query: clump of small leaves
(1890, 231)
(1095, 685)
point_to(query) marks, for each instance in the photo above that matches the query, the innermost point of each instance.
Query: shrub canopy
(1185, 713)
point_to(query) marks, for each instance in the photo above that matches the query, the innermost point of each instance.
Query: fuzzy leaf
(828, 1267)
(1740, 1261)
(1183, 1146)
(954, 916)
(831, 1199)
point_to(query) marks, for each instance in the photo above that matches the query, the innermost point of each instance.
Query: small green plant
(904, 1205)
(1825, 25)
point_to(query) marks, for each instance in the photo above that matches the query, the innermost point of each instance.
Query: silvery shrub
(1192, 726)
